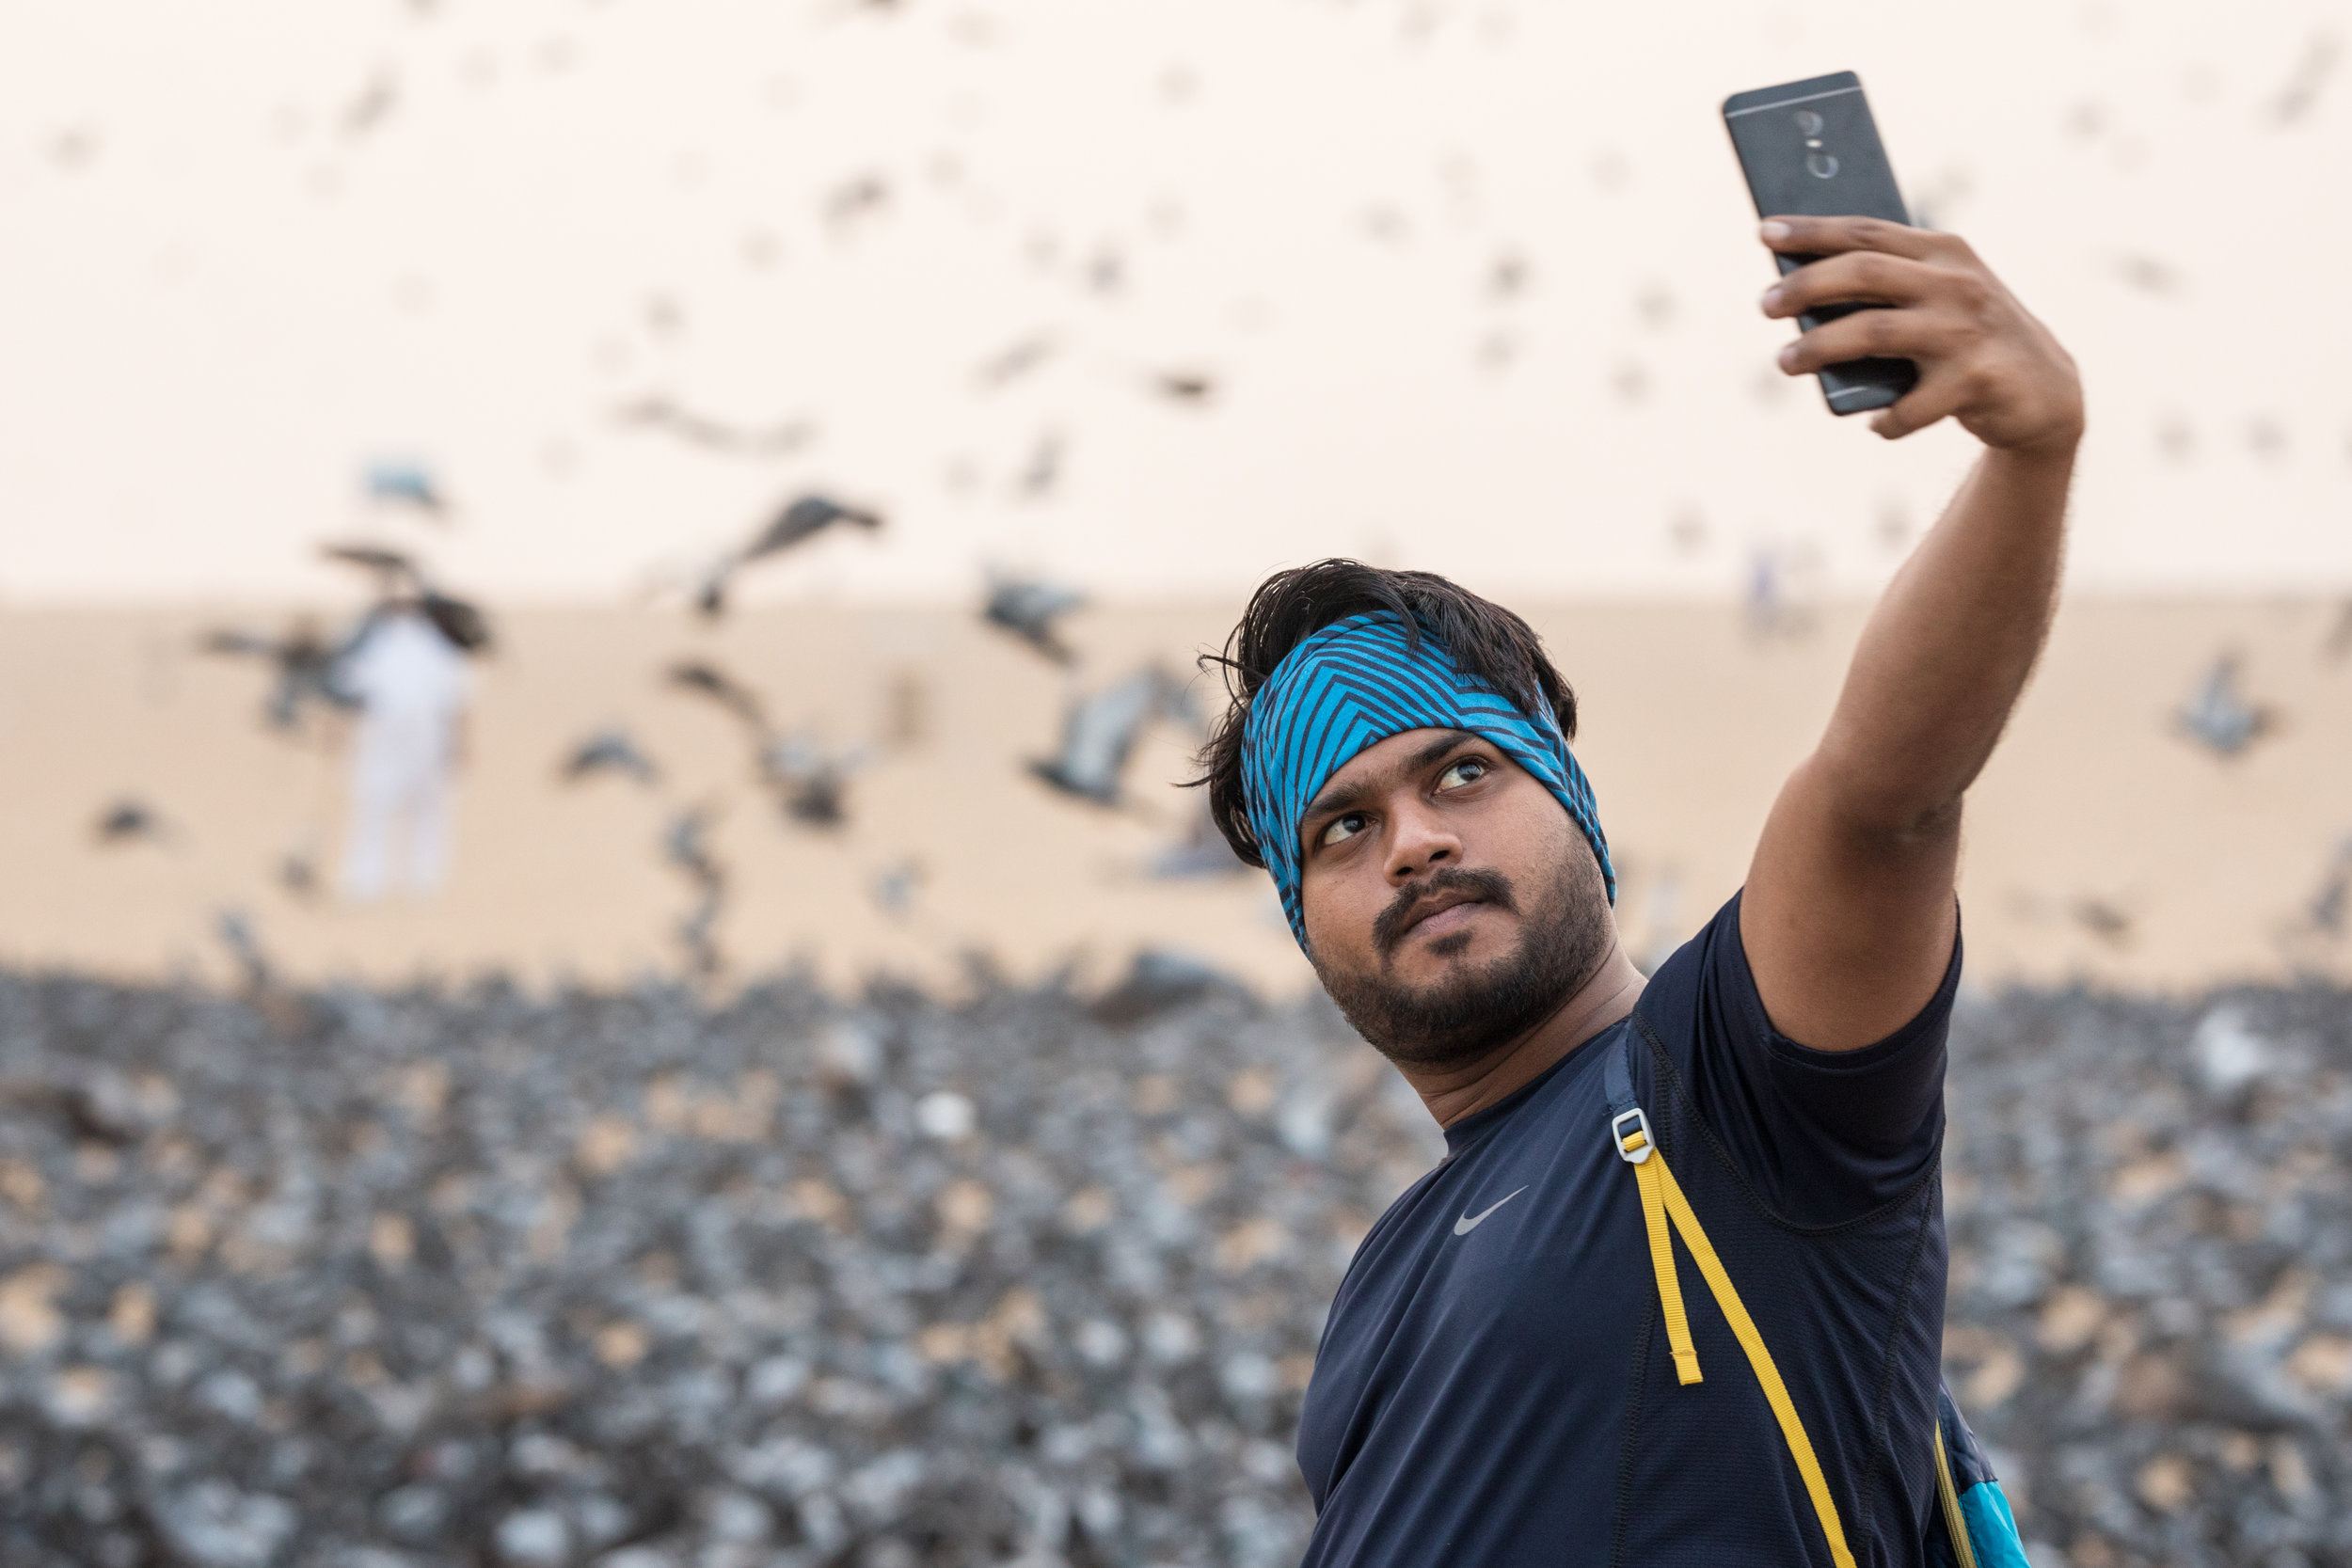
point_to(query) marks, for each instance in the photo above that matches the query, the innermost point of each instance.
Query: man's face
(1451, 904)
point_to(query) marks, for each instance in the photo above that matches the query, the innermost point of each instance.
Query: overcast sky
(1466, 286)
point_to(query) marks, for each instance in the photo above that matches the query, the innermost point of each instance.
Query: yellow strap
(1659, 1189)
(1954, 1520)
(1662, 1262)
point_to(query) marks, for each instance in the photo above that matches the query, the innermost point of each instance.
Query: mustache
(1485, 887)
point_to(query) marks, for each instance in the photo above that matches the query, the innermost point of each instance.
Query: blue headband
(1356, 682)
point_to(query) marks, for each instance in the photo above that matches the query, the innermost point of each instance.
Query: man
(1522, 1366)
(411, 683)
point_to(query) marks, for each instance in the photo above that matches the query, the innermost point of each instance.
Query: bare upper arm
(1849, 927)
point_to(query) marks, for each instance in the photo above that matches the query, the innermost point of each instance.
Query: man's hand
(1982, 360)
(1848, 915)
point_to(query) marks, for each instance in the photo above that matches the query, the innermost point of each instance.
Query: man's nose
(1420, 842)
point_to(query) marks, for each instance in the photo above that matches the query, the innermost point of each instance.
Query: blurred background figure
(411, 679)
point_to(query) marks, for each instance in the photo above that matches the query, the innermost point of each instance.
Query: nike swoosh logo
(1468, 1223)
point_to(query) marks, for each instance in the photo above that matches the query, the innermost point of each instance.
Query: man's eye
(1343, 827)
(1468, 770)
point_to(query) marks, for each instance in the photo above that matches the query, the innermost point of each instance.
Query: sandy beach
(2102, 844)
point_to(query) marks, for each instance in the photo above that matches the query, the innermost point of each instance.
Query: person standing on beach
(1674, 1294)
(412, 685)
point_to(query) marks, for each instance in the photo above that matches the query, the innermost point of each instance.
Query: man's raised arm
(1849, 914)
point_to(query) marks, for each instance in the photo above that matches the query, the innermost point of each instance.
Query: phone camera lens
(1821, 165)
(1808, 123)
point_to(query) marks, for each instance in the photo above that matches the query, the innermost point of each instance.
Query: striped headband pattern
(1356, 682)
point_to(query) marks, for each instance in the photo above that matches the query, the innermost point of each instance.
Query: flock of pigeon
(808, 782)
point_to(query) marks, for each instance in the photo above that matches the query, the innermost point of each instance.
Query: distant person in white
(412, 686)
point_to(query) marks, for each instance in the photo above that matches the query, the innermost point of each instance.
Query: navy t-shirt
(1494, 1385)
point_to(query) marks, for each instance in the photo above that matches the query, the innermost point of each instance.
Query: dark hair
(1485, 640)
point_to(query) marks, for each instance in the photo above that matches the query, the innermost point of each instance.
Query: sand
(2103, 845)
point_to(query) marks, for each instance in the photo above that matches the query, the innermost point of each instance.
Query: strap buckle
(1635, 1145)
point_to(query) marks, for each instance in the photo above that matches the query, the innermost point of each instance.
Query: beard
(1452, 1021)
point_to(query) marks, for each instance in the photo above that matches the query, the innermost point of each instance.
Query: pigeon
(2148, 273)
(1098, 734)
(809, 784)
(372, 104)
(2104, 920)
(1044, 469)
(1156, 981)
(895, 887)
(236, 934)
(686, 844)
(1029, 610)
(304, 662)
(2219, 717)
(394, 569)
(459, 620)
(2339, 642)
(856, 197)
(404, 482)
(724, 690)
(130, 819)
(807, 516)
(659, 413)
(1184, 385)
(609, 750)
(1012, 363)
(2328, 906)
(298, 871)
(398, 576)
(1202, 850)
(2310, 74)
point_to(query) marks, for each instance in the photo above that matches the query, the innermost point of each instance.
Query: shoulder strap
(1661, 1200)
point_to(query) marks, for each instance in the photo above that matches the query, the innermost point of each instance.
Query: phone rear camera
(1808, 123)
(1821, 165)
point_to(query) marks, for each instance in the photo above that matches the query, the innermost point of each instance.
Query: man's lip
(1438, 906)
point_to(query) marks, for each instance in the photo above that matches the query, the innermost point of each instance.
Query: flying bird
(236, 934)
(609, 750)
(811, 784)
(459, 620)
(1031, 610)
(895, 887)
(1184, 385)
(1099, 733)
(2310, 74)
(372, 104)
(1016, 360)
(1045, 468)
(805, 517)
(2103, 921)
(392, 568)
(685, 846)
(303, 659)
(130, 819)
(660, 413)
(2326, 911)
(2219, 717)
(404, 482)
(722, 689)
(1202, 850)
(2339, 642)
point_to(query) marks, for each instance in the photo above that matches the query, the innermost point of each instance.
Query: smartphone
(1811, 148)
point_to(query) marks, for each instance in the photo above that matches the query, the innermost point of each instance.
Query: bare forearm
(1949, 647)
(1849, 919)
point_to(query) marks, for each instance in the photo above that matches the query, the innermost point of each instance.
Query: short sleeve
(1822, 1135)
